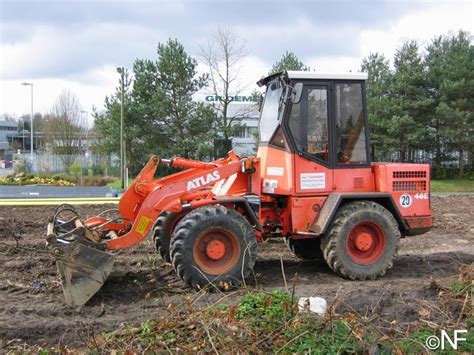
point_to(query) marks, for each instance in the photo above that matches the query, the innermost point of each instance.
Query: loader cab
(315, 125)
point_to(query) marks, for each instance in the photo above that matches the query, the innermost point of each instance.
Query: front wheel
(162, 233)
(213, 246)
(362, 241)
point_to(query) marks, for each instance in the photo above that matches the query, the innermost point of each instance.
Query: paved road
(35, 191)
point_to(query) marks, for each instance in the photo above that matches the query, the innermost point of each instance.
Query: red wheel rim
(216, 251)
(366, 243)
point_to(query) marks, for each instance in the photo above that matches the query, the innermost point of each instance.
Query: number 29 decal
(405, 200)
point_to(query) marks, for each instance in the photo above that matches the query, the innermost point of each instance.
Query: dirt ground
(141, 286)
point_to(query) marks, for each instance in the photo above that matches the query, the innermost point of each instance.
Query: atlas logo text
(203, 180)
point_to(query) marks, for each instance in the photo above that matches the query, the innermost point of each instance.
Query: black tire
(191, 262)
(162, 232)
(338, 244)
(305, 249)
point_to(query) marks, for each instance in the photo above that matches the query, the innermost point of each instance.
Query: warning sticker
(309, 181)
(269, 185)
(142, 224)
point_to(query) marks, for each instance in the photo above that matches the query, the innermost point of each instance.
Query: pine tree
(450, 64)
(187, 124)
(408, 101)
(107, 126)
(377, 88)
(289, 61)
(160, 115)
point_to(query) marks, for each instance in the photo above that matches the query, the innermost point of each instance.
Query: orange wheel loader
(311, 183)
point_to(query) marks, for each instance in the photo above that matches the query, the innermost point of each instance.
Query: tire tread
(330, 240)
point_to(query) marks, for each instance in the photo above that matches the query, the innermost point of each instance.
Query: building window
(246, 132)
(7, 128)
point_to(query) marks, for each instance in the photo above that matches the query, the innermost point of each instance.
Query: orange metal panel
(409, 185)
(354, 180)
(276, 171)
(312, 178)
(303, 211)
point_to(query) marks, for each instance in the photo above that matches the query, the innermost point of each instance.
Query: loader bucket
(83, 269)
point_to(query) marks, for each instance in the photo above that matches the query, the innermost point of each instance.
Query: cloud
(78, 44)
(65, 13)
(15, 98)
(305, 38)
(335, 64)
(422, 26)
(63, 38)
(52, 52)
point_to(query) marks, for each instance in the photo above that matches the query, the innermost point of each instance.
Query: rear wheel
(214, 246)
(162, 233)
(362, 241)
(305, 249)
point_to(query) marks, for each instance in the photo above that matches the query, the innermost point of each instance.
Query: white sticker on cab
(275, 171)
(310, 181)
(269, 185)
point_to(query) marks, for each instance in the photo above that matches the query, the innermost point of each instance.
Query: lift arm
(146, 198)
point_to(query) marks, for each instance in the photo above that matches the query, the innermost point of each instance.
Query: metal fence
(50, 164)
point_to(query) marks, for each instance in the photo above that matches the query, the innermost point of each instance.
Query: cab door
(352, 168)
(309, 126)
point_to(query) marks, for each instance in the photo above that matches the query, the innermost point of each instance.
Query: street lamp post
(84, 145)
(31, 123)
(23, 134)
(87, 129)
(121, 71)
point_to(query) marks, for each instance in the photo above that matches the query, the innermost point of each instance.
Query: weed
(263, 310)
(458, 288)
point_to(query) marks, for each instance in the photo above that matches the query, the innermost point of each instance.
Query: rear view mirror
(296, 93)
(260, 103)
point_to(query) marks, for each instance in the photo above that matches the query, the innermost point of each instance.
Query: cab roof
(291, 74)
(330, 76)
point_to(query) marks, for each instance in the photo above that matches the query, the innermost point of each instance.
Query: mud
(141, 286)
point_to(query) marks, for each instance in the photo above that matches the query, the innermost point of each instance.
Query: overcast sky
(78, 44)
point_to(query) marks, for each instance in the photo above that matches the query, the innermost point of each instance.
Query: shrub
(34, 180)
(21, 167)
(98, 180)
(97, 170)
(75, 169)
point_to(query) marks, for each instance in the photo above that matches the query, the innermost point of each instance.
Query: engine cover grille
(417, 185)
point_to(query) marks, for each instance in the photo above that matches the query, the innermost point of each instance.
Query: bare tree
(66, 126)
(224, 56)
(7, 117)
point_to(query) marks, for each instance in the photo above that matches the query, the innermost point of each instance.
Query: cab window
(309, 122)
(350, 124)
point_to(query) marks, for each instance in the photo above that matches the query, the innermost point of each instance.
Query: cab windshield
(269, 116)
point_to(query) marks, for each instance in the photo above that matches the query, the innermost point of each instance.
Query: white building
(245, 111)
(244, 143)
(7, 128)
